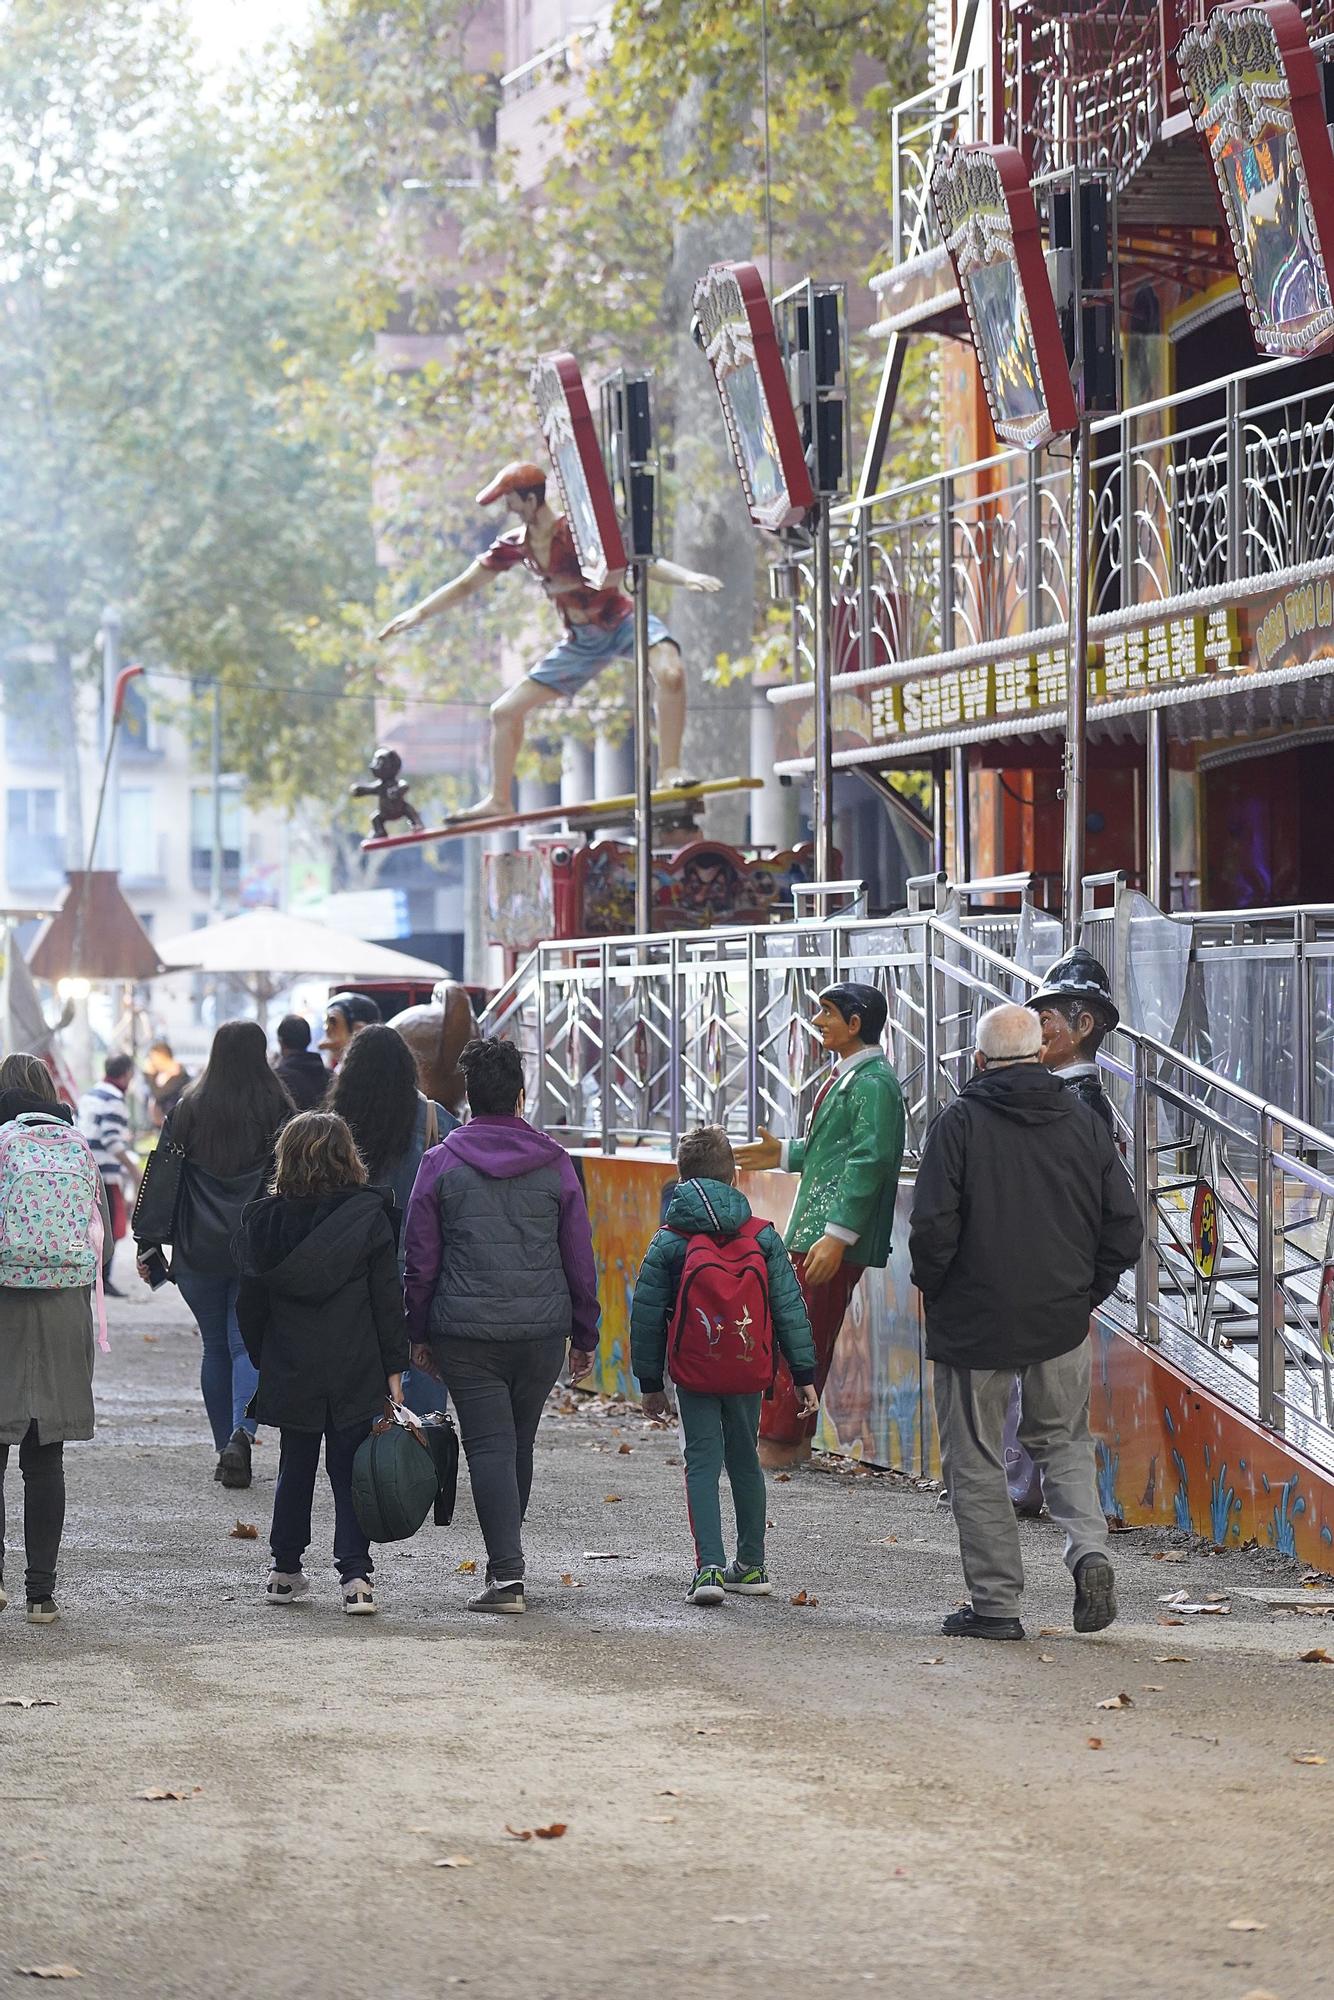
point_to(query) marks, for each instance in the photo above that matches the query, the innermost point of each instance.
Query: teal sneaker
(752, 1581)
(708, 1587)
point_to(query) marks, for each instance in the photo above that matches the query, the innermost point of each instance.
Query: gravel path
(769, 1798)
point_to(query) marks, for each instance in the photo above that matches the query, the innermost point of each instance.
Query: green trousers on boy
(720, 1431)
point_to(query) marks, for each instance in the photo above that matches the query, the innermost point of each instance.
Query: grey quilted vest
(501, 1275)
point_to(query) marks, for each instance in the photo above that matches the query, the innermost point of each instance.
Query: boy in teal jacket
(717, 1430)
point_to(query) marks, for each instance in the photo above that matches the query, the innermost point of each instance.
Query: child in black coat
(321, 1314)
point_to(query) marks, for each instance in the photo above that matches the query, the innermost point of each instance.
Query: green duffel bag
(395, 1480)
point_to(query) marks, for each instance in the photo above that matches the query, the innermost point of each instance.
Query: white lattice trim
(1046, 637)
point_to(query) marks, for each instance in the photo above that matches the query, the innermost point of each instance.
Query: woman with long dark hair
(375, 1091)
(226, 1124)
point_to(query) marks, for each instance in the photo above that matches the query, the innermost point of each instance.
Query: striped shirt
(104, 1120)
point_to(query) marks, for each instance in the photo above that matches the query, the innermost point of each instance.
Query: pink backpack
(50, 1211)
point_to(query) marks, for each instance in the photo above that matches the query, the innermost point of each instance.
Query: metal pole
(963, 858)
(939, 859)
(824, 721)
(1076, 699)
(1158, 852)
(110, 857)
(215, 774)
(643, 754)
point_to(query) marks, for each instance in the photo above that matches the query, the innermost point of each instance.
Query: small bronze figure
(390, 790)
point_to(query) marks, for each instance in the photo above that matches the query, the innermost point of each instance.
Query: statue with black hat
(1076, 1009)
(842, 1217)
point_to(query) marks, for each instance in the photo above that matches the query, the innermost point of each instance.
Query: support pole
(1158, 850)
(643, 754)
(939, 859)
(215, 776)
(963, 858)
(1076, 700)
(110, 856)
(824, 720)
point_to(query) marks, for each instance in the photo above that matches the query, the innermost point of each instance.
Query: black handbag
(208, 1214)
(159, 1199)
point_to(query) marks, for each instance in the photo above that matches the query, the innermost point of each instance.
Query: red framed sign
(734, 324)
(576, 458)
(989, 222)
(1254, 93)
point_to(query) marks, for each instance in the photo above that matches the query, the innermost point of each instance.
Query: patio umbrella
(268, 949)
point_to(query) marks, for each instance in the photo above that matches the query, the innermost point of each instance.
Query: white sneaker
(358, 1598)
(3, 1599)
(286, 1586)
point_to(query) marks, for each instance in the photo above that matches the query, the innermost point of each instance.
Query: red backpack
(720, 1341)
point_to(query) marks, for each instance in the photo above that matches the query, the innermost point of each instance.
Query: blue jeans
(227, 1375)
(298, 1463)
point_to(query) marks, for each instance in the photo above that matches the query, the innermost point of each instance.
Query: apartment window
(201, 834)
(140, 860)
(34, 845)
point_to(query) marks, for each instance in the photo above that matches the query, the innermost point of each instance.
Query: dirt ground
(765, 1798)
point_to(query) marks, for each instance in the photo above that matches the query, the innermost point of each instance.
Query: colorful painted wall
(1168, 1452)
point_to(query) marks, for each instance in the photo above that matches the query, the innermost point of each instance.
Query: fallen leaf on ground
(553, 1832)
(1121, 1700)
(1052, 1631)
(1317, 1657)
(1306, 1757)
(165, 1792)
(1046, 1658)
(885, 1542)
(1245, 1924)
(244, 1531)
(802, 1598)
(1151, 1687)
(1167, 1555)
(660, 1819)
(49, 1971)
(1171, 1621)
(27, 1701)
(611, 1499)
(624, 1450)
(669, 1794)
(1172, 1659)
(150, 1340)
(780, 1479)
(762, 1918)
(455, 1861)
(467, 1569)
(936, 1660)
(698, 1732)
(571, 1582)
(1094, 1742)
(601, 1556)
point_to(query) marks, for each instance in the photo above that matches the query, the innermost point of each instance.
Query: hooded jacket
(319, 1306)
(306, 1078)
(659, 1281)
(498, 1240)
(1023, 1219)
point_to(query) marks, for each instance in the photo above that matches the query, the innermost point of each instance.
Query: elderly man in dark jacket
(500, 1275)
(1023, 1220)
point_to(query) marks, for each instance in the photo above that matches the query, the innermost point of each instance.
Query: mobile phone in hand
(156, 1271)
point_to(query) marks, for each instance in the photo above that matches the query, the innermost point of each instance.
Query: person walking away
(104, 1120)
(345, 1015)
(321, 1313)
(226, 1124)
(843, 1215)
(50, 1248)
(1023, 1220)
(166, 1080)
(1076, 1010)
(298, 1066)
(500, 1275)
(715, 1292)
(393, 1124)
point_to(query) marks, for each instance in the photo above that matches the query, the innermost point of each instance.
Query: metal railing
(948, 112)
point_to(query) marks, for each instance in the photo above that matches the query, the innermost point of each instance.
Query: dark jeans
(227, 1376)
(499, 1388)
(298, 1463)
(43, 1469)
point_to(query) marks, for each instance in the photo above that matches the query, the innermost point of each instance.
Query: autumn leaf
(802, 1598)
(782, 1478)
(165, 1792)
(555, 1831)
(1094, 1742)
(669, 1794)
(1306, 1757)
(611, 1499)
(1245, 1924)
(1172, 1660)
(467, 1568)
(1317, 1657)
(1171, 1621)
(244, 1531)
(936, 1660)
(1046, 1658)
(571, 1582)
(1151, 1687)
(1121, 1700)
(624, 1450)
(455, 1861)
(49, 1971)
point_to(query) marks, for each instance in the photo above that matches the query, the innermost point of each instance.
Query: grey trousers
(1054, 1429)
(499, 1389)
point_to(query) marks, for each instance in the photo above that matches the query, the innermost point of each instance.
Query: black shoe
(502, 1597)
(970, 1624)
(1095, 1594)
(112, 1291)
(234, 1460)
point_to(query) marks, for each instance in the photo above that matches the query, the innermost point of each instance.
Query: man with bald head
(1023, 1220)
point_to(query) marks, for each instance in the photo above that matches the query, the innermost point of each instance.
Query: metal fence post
(604, 1062)
(1129, 535)
(1144, 1115)
(1033, 542)
(1269, 1230)
(945, 529)
(1303, 1020)
(674, 1119)
(929, 1092)
(752, 1029)
(865, 614)
(1236, 481)
(540, 1038)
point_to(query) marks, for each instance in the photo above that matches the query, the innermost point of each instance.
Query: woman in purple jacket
(500, 1276)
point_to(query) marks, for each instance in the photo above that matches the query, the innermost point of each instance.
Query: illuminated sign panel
(572, 441)
(735, 327)
(990, 226)
(1255, 96)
